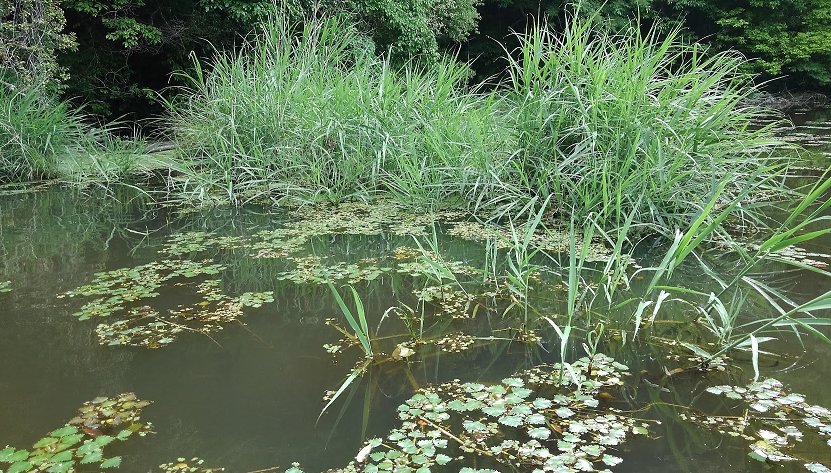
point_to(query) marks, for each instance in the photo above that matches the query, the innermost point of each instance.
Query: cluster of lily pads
(80, 443)
(82, 440)
(121, 291)
(546, 419)
(772, 421)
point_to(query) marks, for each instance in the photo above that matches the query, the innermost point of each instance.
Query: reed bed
(600, 124)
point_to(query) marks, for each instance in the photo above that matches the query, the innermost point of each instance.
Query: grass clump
(597, 124)
(34, 133)
(614, 123)
(310, 116)
(41, 138)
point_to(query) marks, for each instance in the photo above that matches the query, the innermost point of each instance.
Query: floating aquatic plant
(453, 302)
(4, 286)
(186, 243)
(181, 465)
(455, 342)
(144, 326)
(122, 286)
(773, 421)
(310, 269)
(543, 419)
(82, 440)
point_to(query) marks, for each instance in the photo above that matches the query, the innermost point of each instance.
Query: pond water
(239, 379)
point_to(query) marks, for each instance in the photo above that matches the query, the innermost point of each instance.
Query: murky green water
(247, 396)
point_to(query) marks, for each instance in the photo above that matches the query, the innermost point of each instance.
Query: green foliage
(596, 123)
(417, 28)
(82, 440)
(141, 325)
(31, 34)
(194, 465)
(35, 134)
(611, 124)
(312, 118)
(774, 420)
(537, 419)
(790, 37)
(41, 138)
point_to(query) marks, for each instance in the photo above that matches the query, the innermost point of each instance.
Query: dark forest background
(118, 57)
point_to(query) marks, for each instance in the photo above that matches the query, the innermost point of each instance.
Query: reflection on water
(248, 396)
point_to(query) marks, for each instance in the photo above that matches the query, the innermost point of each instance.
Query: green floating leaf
(103, 440)
(611, 460)
(510, 421)
(817, 468)
(494, 411)
(442, 459)
(535, 419)
(111, 462)
(540, 433)
(92, 457)
(474, 426)
(6, 453)
(564, 412)
(63, 456)
(521, 392)
(15, 456)
(513, 382)
(45, 441)
(19, 467)
(593, 450)
(542, 403)
(61, 467)
(64, 431)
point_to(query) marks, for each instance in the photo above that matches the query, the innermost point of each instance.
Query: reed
(601, 123)
(610, 123)
(304, 114)
(41, 138)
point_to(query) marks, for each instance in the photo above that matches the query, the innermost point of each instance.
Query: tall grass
(42, 138)
(601, 124)
(611, 123)
(308, 116)
(34, 134)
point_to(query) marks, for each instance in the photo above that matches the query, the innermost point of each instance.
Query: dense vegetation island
(584, 207)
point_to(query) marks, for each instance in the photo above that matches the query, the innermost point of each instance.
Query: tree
(791, 37)
(30, 36)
